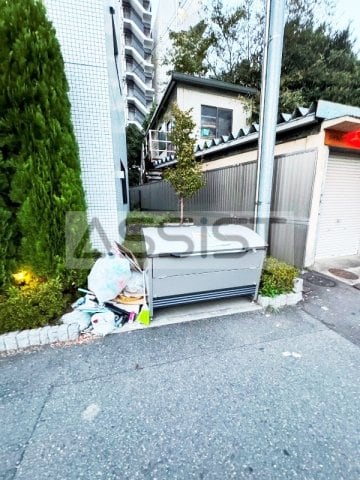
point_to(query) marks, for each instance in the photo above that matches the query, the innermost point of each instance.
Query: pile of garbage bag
(116, 294)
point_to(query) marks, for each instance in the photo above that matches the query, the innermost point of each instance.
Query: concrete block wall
(84, 30)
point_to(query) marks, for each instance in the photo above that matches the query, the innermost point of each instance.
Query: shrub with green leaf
(39, 162)
(277, 277)
(32, 306)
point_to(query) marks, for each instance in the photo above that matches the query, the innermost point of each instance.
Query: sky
(347, 11)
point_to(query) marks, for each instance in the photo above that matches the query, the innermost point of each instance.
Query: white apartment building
(138, 66)
(91, 40)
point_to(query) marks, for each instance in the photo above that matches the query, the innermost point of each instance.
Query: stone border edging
(284, 299)
(18, 340)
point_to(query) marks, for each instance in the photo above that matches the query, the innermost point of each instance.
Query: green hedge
(33, 306)
(277, 277)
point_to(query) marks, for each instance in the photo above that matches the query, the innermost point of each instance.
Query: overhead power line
(172, 20)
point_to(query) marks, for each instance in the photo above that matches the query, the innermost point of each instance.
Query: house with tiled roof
(316, 183)
(218, 109)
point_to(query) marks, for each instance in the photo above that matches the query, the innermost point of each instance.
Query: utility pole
(270, 86)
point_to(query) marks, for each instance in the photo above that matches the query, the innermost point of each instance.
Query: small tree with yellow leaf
(186, 176)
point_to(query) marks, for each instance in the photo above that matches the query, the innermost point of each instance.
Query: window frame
(218, 109)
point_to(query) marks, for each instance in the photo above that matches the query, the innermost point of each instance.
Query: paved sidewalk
(247, 396)
(335, 304)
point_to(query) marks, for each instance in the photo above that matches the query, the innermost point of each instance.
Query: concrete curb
(12, 341)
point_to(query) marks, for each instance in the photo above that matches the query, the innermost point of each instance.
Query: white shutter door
(339, 222)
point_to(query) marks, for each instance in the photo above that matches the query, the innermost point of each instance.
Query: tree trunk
(181, 210)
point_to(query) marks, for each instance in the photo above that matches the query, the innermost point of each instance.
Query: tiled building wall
(84, 30)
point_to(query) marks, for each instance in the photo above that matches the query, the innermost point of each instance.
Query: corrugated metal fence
(227, 190)
(229, 196)
(291, 202)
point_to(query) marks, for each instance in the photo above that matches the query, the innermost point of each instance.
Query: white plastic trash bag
(108, 277)
(103, 323)
(135, 284)
(81, 318)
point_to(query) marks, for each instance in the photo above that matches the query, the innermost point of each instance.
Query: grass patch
(135, 221)
(137, 217)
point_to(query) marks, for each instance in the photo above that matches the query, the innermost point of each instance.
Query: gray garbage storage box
(188, 264)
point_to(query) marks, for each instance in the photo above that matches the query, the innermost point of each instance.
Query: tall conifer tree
(39, 162)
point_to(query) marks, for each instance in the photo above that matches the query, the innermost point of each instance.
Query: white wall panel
(339, 219)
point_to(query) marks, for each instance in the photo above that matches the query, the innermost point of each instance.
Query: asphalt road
(242, 397)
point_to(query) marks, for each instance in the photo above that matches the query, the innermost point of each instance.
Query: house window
(162, 141)
(215, 122)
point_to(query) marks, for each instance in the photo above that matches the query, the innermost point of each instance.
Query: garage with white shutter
(339, 216)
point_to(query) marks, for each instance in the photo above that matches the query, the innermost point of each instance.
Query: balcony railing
(132, 41)
(136, 116)
(130, 14)
(141, 70)
(130, 24)
(134, 67)
(138, 94)
(145, 87)
(142, 9)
